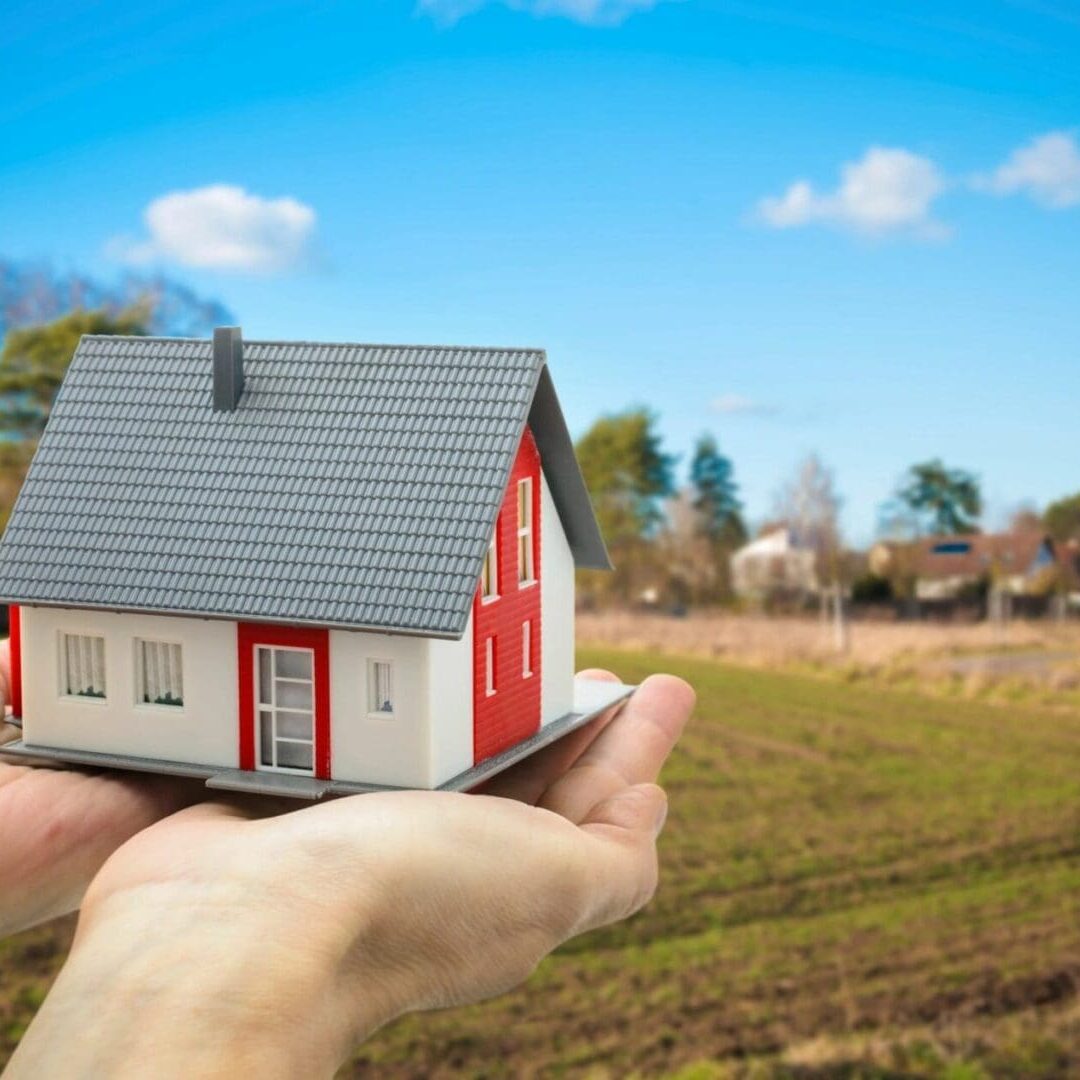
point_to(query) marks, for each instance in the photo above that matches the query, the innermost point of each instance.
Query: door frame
(248, 637)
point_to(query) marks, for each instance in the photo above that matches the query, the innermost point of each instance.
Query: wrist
(184, 988)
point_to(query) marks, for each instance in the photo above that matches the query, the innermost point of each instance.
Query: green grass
(858, 881)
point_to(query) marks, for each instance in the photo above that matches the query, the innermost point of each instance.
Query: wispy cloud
(738, 405)
(1047, 169)
(589, 12)
(222, 227)
(888, 190)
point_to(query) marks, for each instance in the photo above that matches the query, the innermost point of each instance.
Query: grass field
(857, 881)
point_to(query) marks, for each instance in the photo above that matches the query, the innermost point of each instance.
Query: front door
(284, 699)
(285, 709)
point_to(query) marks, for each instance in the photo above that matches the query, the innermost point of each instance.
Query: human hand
(219, 939)
(58, 826)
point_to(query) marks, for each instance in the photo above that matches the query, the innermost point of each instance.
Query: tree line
(677, 542)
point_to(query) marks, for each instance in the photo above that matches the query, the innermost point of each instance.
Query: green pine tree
(716, 495)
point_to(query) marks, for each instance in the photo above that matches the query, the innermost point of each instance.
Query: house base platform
(591, 698)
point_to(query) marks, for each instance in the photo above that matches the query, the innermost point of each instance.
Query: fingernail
(661, 819)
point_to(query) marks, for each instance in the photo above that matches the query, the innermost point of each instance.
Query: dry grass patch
(1037, 660)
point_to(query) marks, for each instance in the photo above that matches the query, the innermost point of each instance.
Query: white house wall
(450, 705)
(372, 747)
(203, 731)
(556, 613)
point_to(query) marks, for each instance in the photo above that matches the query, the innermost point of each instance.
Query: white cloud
(1047, 169)
(738, 405)
(222, 227)
(589, 12)
(888, 190)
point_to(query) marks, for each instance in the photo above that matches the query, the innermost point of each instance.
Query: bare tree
(811, 507)
(695, 571)
(33, 293)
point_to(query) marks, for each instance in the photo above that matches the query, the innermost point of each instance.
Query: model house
(299, 567)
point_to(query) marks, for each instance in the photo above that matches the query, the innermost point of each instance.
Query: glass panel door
(285, 709)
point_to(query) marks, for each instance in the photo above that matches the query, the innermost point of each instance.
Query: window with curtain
(159, 673)
(82, 666)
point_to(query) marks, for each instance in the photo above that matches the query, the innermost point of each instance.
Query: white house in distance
(299, 568)
(775, 562)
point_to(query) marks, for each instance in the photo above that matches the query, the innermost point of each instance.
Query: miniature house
(299, 567)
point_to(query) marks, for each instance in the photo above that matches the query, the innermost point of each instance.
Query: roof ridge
(325, 344)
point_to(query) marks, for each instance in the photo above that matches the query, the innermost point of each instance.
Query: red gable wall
(512, 713)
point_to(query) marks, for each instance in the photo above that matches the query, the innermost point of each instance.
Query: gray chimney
(228, 367)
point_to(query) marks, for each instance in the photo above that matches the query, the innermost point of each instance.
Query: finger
(58, 827)
(529, 779)
(623, 865)
(631, 750)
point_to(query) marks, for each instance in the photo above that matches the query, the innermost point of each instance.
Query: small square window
(159, 674)
(381, 688)
(82, 666)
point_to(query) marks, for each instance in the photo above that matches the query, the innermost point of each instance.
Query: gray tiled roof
(353, 486)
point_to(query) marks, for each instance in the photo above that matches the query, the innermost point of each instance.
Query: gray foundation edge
(601, 696)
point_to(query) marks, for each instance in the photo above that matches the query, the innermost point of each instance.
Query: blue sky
(653, 191)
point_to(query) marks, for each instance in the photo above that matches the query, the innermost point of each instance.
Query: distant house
(776, 563)
(1019, 563)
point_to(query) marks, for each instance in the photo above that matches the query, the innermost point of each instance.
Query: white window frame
(66, 675)
(373, 711)
(489, 576)
(140, 645)
(489, 667)
(526, 550)
(526, 649)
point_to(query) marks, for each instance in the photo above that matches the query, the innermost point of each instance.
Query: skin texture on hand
(58, 826)
(222, 939)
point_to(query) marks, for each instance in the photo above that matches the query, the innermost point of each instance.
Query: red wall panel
(512, 713)
(15, 645)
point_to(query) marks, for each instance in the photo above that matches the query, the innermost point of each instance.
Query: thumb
(623, 862)
(640, 808)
